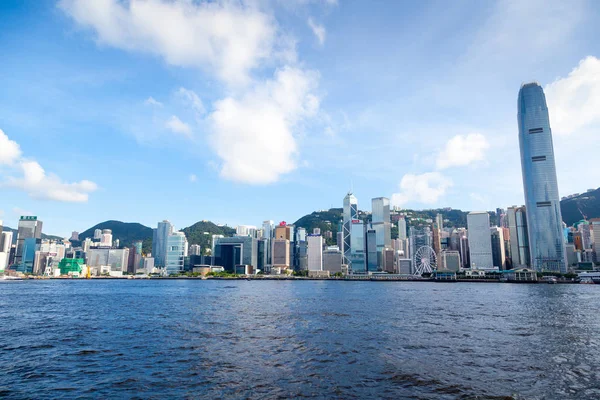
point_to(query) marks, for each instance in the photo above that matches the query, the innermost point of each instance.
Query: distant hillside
(201, 233)
(126, 232)
(329, 220)
(14, 231)
(585, 205)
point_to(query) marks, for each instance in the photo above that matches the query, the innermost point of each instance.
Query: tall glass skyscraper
(350, 214)
(544, 220)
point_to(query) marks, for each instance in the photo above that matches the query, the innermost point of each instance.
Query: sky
(243, 111)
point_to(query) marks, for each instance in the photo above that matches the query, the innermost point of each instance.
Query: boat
(550, 279)
(10, 278)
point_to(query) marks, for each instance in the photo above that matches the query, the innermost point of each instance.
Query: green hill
(201, 233)
(126, 232)
(585, 205)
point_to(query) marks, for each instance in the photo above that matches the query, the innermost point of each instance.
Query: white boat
(10, 278)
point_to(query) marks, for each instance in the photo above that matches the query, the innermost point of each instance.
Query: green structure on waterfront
(67, 265)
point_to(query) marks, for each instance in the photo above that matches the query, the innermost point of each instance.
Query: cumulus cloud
(462, 150)
(426, 188)
(9, 150)
(227, 38)
(176, 125)
(34, 180)
(574, 101)
(252, 129)
(318, 30)
(254, 134)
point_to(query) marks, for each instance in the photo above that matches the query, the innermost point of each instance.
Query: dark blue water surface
(250, 339)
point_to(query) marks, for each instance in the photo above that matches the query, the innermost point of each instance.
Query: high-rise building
(6, 242)
(350, 214)
(283, 231)
(332, 259)
(450, 260)
(74, 235)
(498, 250)
(439, 221)
(315, 252)
(245, 230)
(268, 229)
(595, 222)
(29, 228)
(175, 252)
(519, 239)
(371, 238)
(583, 227)
(402, 228)
(97, 234)
(480, 241)
(106, 239)
(357, 247)
(544, 219)
(281, 252)
(419, 237)
(159, 242)
(195, 250)
(380, 222)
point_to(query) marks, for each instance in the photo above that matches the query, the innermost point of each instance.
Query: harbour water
(289, 339)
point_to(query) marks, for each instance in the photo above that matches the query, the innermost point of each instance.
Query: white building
(480, 240)
(315, 252)
(245, 230)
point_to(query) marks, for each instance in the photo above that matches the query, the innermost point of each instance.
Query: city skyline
(96, 112)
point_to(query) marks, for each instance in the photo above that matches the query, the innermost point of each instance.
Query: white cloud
(178, 126)
(318, 30)
(40, 185)
(9, 150)
(254, 134)
(150, 101)
(574, 101)
(426, 188)
(192, 99)
(462, 150)
(193, 178)
(227, 38)
(36, 182)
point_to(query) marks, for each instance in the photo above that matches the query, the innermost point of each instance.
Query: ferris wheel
(425, 260)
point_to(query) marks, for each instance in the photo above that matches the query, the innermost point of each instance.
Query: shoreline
(294, 278)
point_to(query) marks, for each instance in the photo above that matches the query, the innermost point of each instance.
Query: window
(538, 158)
(536, 130)
(543, 204)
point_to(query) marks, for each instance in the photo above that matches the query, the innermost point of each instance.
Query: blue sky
(241, 111)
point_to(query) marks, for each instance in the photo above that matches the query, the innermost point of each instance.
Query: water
(250, 339)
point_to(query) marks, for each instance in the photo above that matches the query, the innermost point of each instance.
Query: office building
(595, 223)
(106, 239)
(175, 253)
(402, 229)
(480, 242)
(281, 253)
(159, 242)
(350, 214)
(195, 250)
(97, 234)
(332, 259)
(542, 202)
(6, 242)
(237, 250)
(371, 237)
(380, 222)
(357, 247)
(29, 228)
(498, 250)
(117, 259)
(450, 260)
(419, 237)
(283, 231)
(519, 239)
(315, 252)
(388, 262)
(245, 230)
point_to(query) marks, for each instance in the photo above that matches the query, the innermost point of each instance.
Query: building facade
(542, 202)
(480, 241)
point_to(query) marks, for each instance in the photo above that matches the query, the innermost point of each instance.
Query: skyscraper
(480, 240)
(159, 242)
(315, 252)
(350, 214)
(29, 228)
(380, 222)
(176, 250)
(542, 202)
